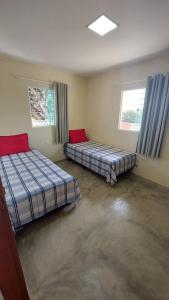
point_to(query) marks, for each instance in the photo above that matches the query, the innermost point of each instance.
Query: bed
(35, 186)
(105, 160)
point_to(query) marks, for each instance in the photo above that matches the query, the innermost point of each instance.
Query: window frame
(47, 87)
(121, 104)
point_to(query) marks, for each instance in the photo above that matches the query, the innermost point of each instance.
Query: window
(131, 109)
(42, 106)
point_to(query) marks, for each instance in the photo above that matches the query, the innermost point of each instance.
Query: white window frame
(121, 104)
(40, 87)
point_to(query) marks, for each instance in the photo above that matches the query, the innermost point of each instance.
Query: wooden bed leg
(70, 207)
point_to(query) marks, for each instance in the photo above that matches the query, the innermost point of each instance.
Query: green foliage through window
(132, 116)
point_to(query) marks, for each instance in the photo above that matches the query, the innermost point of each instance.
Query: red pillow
(14, 144)
(77, 136)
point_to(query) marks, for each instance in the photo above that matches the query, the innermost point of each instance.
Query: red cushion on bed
(14, 144)
(77, 136)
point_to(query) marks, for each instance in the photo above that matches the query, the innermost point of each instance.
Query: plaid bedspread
(34, 186)
(105, 160)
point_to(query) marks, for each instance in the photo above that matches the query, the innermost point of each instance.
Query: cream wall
(14, 103)
(104, 97)
(94, 103)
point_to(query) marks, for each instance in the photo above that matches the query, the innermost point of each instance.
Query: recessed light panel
(102, 25)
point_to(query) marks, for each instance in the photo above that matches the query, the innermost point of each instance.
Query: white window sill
(128, 130)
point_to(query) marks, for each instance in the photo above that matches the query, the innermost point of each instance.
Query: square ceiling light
(102, 25)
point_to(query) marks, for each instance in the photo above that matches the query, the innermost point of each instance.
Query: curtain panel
(155, 112)
(61, 101)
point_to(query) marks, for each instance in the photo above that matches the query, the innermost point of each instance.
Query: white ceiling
(55, 32)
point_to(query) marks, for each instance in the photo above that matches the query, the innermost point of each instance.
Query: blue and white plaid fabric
(34, 186)
(102, 159)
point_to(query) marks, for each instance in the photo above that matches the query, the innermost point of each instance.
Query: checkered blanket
(105, 160)
(34, 186)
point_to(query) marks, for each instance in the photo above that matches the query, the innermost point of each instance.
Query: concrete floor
(113, 246)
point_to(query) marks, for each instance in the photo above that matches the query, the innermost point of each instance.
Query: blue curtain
(61, 100)
(155, 112)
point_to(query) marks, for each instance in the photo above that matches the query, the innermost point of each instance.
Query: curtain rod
(130, 82)
(29, 78)
(50, 81)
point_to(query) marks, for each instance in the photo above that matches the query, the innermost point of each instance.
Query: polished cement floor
(113, 246)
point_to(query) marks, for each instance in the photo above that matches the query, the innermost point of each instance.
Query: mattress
(105, 160)
(34, 186)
